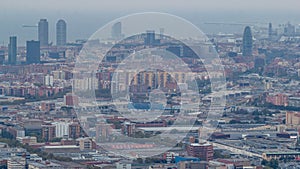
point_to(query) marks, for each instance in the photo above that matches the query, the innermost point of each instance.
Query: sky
(84, 17)
(122, 5)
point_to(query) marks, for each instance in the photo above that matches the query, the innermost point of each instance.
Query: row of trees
(270, 164)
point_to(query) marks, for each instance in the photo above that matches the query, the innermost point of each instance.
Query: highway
(236, 150)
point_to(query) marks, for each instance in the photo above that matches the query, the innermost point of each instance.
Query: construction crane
(237, 23)
(223, 23)
(29, 26)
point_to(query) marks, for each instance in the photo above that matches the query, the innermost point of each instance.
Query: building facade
(61, 33)
(292, 118)
(116, 31)
(33, 54)
(247, 42)
(61, 129)
(48, 132)
(12, 50)
(203, 151)
(43, 32)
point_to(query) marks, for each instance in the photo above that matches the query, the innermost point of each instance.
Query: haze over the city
(84, 18)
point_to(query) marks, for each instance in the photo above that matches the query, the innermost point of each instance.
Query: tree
(270, 164)
(267, 167)
(264, 162)
(256, 118)
(56, 139)
(274, 164)
(139, 160)
(233, 121)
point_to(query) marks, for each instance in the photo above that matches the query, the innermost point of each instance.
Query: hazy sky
(84, 17)
(116, 5)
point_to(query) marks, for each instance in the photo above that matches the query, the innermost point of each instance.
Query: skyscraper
(12, 50)
(116, 31)
(150, 37)
(61, 33)
(43, 32)
(289, 29)
(2, 57)
(33, 52)
(270, 31)
(247, 42)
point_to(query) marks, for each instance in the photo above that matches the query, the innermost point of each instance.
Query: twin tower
(61, 32)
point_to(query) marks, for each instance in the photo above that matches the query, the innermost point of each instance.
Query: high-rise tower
(247, 42)
(12, 50)
(43, 32)
(61, 33)
(150, 37)
(33, 52)
(270, 31)
(116, 31)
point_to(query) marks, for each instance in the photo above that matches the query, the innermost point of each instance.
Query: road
(236, 150)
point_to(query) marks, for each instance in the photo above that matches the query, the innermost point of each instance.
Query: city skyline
(150, 84)
(97, 19)
(226, 27)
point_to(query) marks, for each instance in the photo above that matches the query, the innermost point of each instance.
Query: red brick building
(203, 151)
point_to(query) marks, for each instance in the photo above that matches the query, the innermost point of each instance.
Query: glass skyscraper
(33, 53)
(247, 42)
(43, 32)
(150, 37)
(12, 50)
(116, 31)
(61, 33)
(270, 31)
